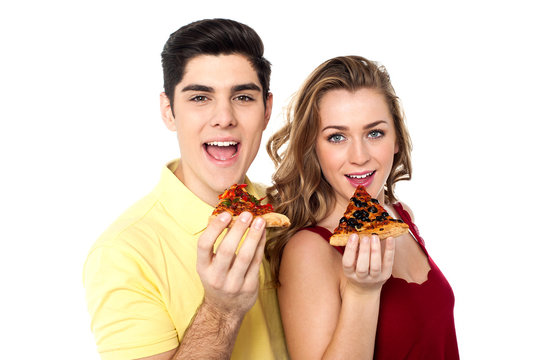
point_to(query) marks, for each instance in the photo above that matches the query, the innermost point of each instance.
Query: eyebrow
(344, 128)
(209, 89)
(197, 87)
(247, 86)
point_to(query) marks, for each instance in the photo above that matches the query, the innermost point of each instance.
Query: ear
(167, 113)
(268, 109)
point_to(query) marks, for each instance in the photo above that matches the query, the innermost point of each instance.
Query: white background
(81, 139)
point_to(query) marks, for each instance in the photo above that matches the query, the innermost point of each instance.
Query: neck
(333, 217)
(205, 194)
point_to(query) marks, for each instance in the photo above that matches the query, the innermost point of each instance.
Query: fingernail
(353, 239)
(245, 217)
(365, 240)
(259, 223)
(224, 217)
(374, 239)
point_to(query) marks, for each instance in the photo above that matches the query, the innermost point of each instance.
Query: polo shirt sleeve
(129, 318)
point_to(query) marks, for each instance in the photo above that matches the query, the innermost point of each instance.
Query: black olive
(373, 209)
(343, 219)
(385, 214)
(380, 218)
(352, 222)
(375, 201)
(357, 214)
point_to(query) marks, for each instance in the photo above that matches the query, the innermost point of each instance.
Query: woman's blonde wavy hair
(299, 189)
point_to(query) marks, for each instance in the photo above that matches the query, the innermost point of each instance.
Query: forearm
(211, 335)
(358, 316)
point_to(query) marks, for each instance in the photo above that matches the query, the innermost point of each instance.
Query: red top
(415, 320)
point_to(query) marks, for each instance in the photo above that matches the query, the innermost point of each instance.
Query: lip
(361, 181)
(219, 162)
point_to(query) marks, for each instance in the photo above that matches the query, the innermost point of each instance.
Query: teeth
(360, 176)
(222, 143)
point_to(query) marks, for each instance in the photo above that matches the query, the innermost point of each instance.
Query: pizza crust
(272, 219)
(393, 229)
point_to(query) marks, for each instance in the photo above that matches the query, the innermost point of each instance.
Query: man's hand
(231, 278)
(231, 283)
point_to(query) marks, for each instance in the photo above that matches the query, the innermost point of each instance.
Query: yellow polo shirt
(142, 288)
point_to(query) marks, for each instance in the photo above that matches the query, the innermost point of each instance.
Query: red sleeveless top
(415, 320)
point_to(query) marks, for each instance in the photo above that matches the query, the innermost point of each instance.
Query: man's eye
(336, 138)
(244, 98)
(199, 98)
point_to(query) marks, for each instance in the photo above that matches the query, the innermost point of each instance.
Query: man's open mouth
(222, 150)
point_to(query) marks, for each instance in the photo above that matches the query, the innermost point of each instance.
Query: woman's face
(356, 142)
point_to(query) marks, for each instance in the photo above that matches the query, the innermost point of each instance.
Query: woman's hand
(364, 266)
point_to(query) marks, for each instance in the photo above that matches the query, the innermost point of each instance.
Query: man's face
(219, 117)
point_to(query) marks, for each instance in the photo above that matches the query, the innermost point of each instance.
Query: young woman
(373, 298)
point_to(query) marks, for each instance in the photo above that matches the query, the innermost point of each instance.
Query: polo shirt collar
(189, 211)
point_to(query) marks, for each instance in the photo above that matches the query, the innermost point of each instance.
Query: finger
(252, 274)
(225, 253)
(363, 259)
(205, 244)
(249, 247)
(388, 256)
(350, 254)
(375, 256)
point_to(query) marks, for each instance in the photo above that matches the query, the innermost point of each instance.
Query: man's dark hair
(212, 37)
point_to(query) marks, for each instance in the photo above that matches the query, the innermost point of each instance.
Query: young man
(160, 283)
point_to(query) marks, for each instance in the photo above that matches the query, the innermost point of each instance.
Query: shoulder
(129, 242)
(308, 242)
(305, 249)
(137, 221)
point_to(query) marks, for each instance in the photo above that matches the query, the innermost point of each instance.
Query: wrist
(211, 334)
(365, 291)
(225, 316)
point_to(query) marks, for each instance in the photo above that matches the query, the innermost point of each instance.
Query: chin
(222, 180)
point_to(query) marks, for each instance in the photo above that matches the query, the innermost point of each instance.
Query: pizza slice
(366, 216)
(236, 200)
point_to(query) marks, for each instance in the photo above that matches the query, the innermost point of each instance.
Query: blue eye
(336, 138)
(374, 134)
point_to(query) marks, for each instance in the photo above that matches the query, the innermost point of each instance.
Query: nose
(359, 153)
(223, 115)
